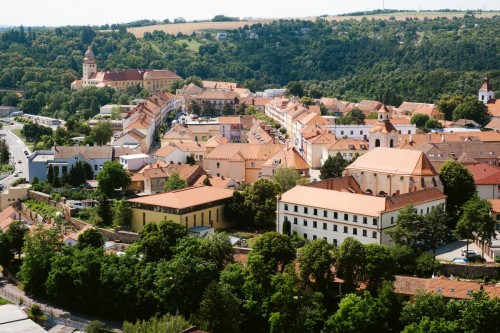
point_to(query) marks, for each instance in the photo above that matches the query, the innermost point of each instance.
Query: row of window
(314, 237)
(335, 214)
(335, 227)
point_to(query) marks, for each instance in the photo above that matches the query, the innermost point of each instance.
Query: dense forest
(388, 60)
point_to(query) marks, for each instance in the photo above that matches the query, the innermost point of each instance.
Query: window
(374, 221)
(365, 220)
(346, 230)
(374, 234)
(324, 226)
(346, 217)
(286, 206)
(325, 213)
(305, 236)
(315, 224)
(295, 221)
(392, 219)
(365, 233)
(305, 223)
(335, 242)
(335, 215)
(305, 210)
(295, 208)
(252, 164)
(95, 167)
(315, 212)
(334, 227)
(315, 237)
(218, 165)
(355, 218)
(354, 231)
(427, 210)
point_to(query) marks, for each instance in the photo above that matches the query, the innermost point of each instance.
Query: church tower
(383, 133)
(89, 66)
(485, 92)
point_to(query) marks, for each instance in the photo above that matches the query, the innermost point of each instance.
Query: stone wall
(39, 196)
(471, 271)
(122, 236)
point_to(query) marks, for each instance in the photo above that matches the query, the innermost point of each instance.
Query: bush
(36, 311)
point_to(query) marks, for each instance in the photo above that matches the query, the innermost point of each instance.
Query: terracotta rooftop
(495, 205)
(418, 139)
(288, 158)
(185, 198)
(217, 95)
(230, 120)
(394, 161)
(494, 107)
(418, 197)
(383, 127)
(65, 152)
(219, 85)
(352, 144)
(6, 217)
(343, 184)
(215, 141)
(218, 182)
(486, 84)
(484, 173)
(244, 151)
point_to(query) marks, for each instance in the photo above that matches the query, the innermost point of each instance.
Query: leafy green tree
(405, 259)
(349, 263)
(190, 159)
(260, 200)
(295, 88)
(287, 227)
(476, 221)
(96, 326)
(158, 241)
(419, 120)
(379, 266)
(79, 173)
(407, 227)
(50, 174)
(286, 177)
(436, 326)
(174, 182)
(458, 185)
(479, 314)
(206, 181)
(219, 310)
(111, 177)
(424, 305)
(427, 264)
(227, 109)
(435, 227)
(194, 108)
(352, 117)
(15, 236)
(275, 249)
(218, 249)
(316, 261)
(448, 103)
(102, 133)
(90, 238)
(333, 167)
(432, 124)
(166, 324)
(472, 110)
(122, 213)
(40, 247)
(4, 151)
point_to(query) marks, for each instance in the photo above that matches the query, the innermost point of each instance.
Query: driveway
(453, 250)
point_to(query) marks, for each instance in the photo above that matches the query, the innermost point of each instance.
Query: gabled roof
(343, 184)
(486, 84)
(484, 173)
(215, 141)
(6, 217)
(429, 194)
(218, 182)
(289, 158)
(244, 151)
(185, 198)
(394, 161)
(352, 144)
(65, 152)
(217, 94)
(494, 107)
(409, 285)
(219, 85)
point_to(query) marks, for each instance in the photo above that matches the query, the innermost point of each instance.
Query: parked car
(459, 260)
(470, 253)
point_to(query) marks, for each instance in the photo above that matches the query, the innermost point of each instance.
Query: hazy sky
(96, 12)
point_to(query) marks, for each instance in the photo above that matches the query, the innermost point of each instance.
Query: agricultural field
(190, 27)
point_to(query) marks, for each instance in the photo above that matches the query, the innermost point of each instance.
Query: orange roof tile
(244, 151)
(494, 107)
(484, 173)
(289, 158)
(448, 288)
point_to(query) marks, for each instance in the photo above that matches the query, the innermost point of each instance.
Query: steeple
(486, 92)
(89, 66)
(383, 133)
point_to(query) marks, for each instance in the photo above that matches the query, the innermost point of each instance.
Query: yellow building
(191, 207)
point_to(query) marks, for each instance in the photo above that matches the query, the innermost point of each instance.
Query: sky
(97, 12)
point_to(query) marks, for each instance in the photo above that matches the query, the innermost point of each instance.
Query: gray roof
(88, 152)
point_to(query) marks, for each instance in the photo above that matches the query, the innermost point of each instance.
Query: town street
(16, 149)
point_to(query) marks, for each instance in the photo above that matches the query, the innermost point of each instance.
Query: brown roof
(136, 134)
(418, 139)
(6, 217)
(219, 85)
(383, 127)
(217, 94)
(394, 161)
(420, 108)
(161, 74)
(486, 84)
(353, 144)
(418, 197)
(215, 141)
(65, 152)
(324, 138)
(219, 182)
(409, 285)
(230, 120)
(369, 106)
(450, 150)
(202, 128)
(289, 158)
(484, 173)
(185, 198)
(343, 184)
(494, 107)
(394, 121)
(179, 131)
(495, 205)
(494, 122)
(244, 151)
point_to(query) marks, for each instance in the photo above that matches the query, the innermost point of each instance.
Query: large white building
(337, 211)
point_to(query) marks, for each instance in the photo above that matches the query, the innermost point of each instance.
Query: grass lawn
(3, 301)
(17, 132)
(193, 45)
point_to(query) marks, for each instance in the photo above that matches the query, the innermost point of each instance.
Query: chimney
(179, 163)
(222, 177)
(411, 139)
(442, 138)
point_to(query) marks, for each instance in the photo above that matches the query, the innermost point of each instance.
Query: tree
(103, 215)
(219, 310)
(227, 109)
(122, 213)
(111, 177)
(116, 112)
(476, 221)
(352, 117)
(174, 182)
(435, 227)
(436, 326)
(432, 124)
(50, 174)
(448, 103)
(349, 263)
(158, 241)
(287, 227)
(458, 185)
(427, 264)
(166, 324)
(316, 262)
(260, 199)
(286, 177)
(276, 250)
(295, 88)
(194, 108)
(96, 326)
(102, 133)
(79, 173)
(90, 238)
(479, 314)
(39, 249)
(379, 266)
(218, 249)
(4, 151)
(206, 181)
(424, 305)
(419, 120)
(190, 159)
(333, 167)
(15, 236)
(472, 110)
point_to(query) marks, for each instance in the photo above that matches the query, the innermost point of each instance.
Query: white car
(470, 253)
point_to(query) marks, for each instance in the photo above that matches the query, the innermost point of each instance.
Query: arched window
(382, 193)
(391, 143)
(377, 143)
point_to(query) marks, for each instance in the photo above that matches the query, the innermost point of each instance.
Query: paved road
(16, 148)
(453, 250)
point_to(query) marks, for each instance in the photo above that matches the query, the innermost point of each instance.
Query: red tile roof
(484, 173)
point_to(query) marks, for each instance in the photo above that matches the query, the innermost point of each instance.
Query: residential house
(316, 212)
(313, 146)
(178, 152)
(274, 109)
(286, 157)
(487, 179)
(7, 216)
(388, 172)
(348, 148)
(235, 128)
(135, 161)
(134, 139)
(190, 89)
(218, 182)
(302, 121)
(368, 107)
(410, 141)
(410, 109)
(13, 194)
(261, 133)
(241, 162)
(219, 85)
(257, 102)
(217, 98)
(191, 207)
(177, 133)
(214, 142)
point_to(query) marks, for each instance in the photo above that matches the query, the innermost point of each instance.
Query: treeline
(392, 61)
